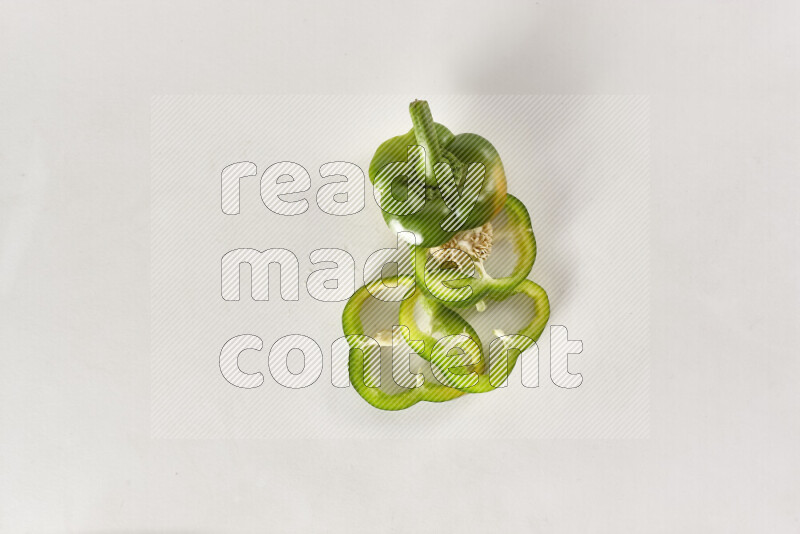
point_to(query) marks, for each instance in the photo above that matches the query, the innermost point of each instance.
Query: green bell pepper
(504, 350)
(473, 248)
(442, 330)
(445, 195)
(462, 271)
(365, 347)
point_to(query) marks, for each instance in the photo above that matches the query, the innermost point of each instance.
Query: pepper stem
(425, 132)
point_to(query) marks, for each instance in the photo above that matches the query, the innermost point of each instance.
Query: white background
(75, 447)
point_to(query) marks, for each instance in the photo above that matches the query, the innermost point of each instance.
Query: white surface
(75, 449)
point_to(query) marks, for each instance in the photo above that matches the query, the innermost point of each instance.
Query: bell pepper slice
(365, 345)
(492, 259)
(503, 350)
(429, 217)
(442, 331)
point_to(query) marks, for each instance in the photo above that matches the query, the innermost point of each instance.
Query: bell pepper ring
(453, 183)
(475, 262)
(442, 331)
(503, 349)
(365, 359)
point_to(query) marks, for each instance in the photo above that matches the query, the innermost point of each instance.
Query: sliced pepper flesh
(443, 331)
(494, 259)
(365, 359)
(504, 349)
